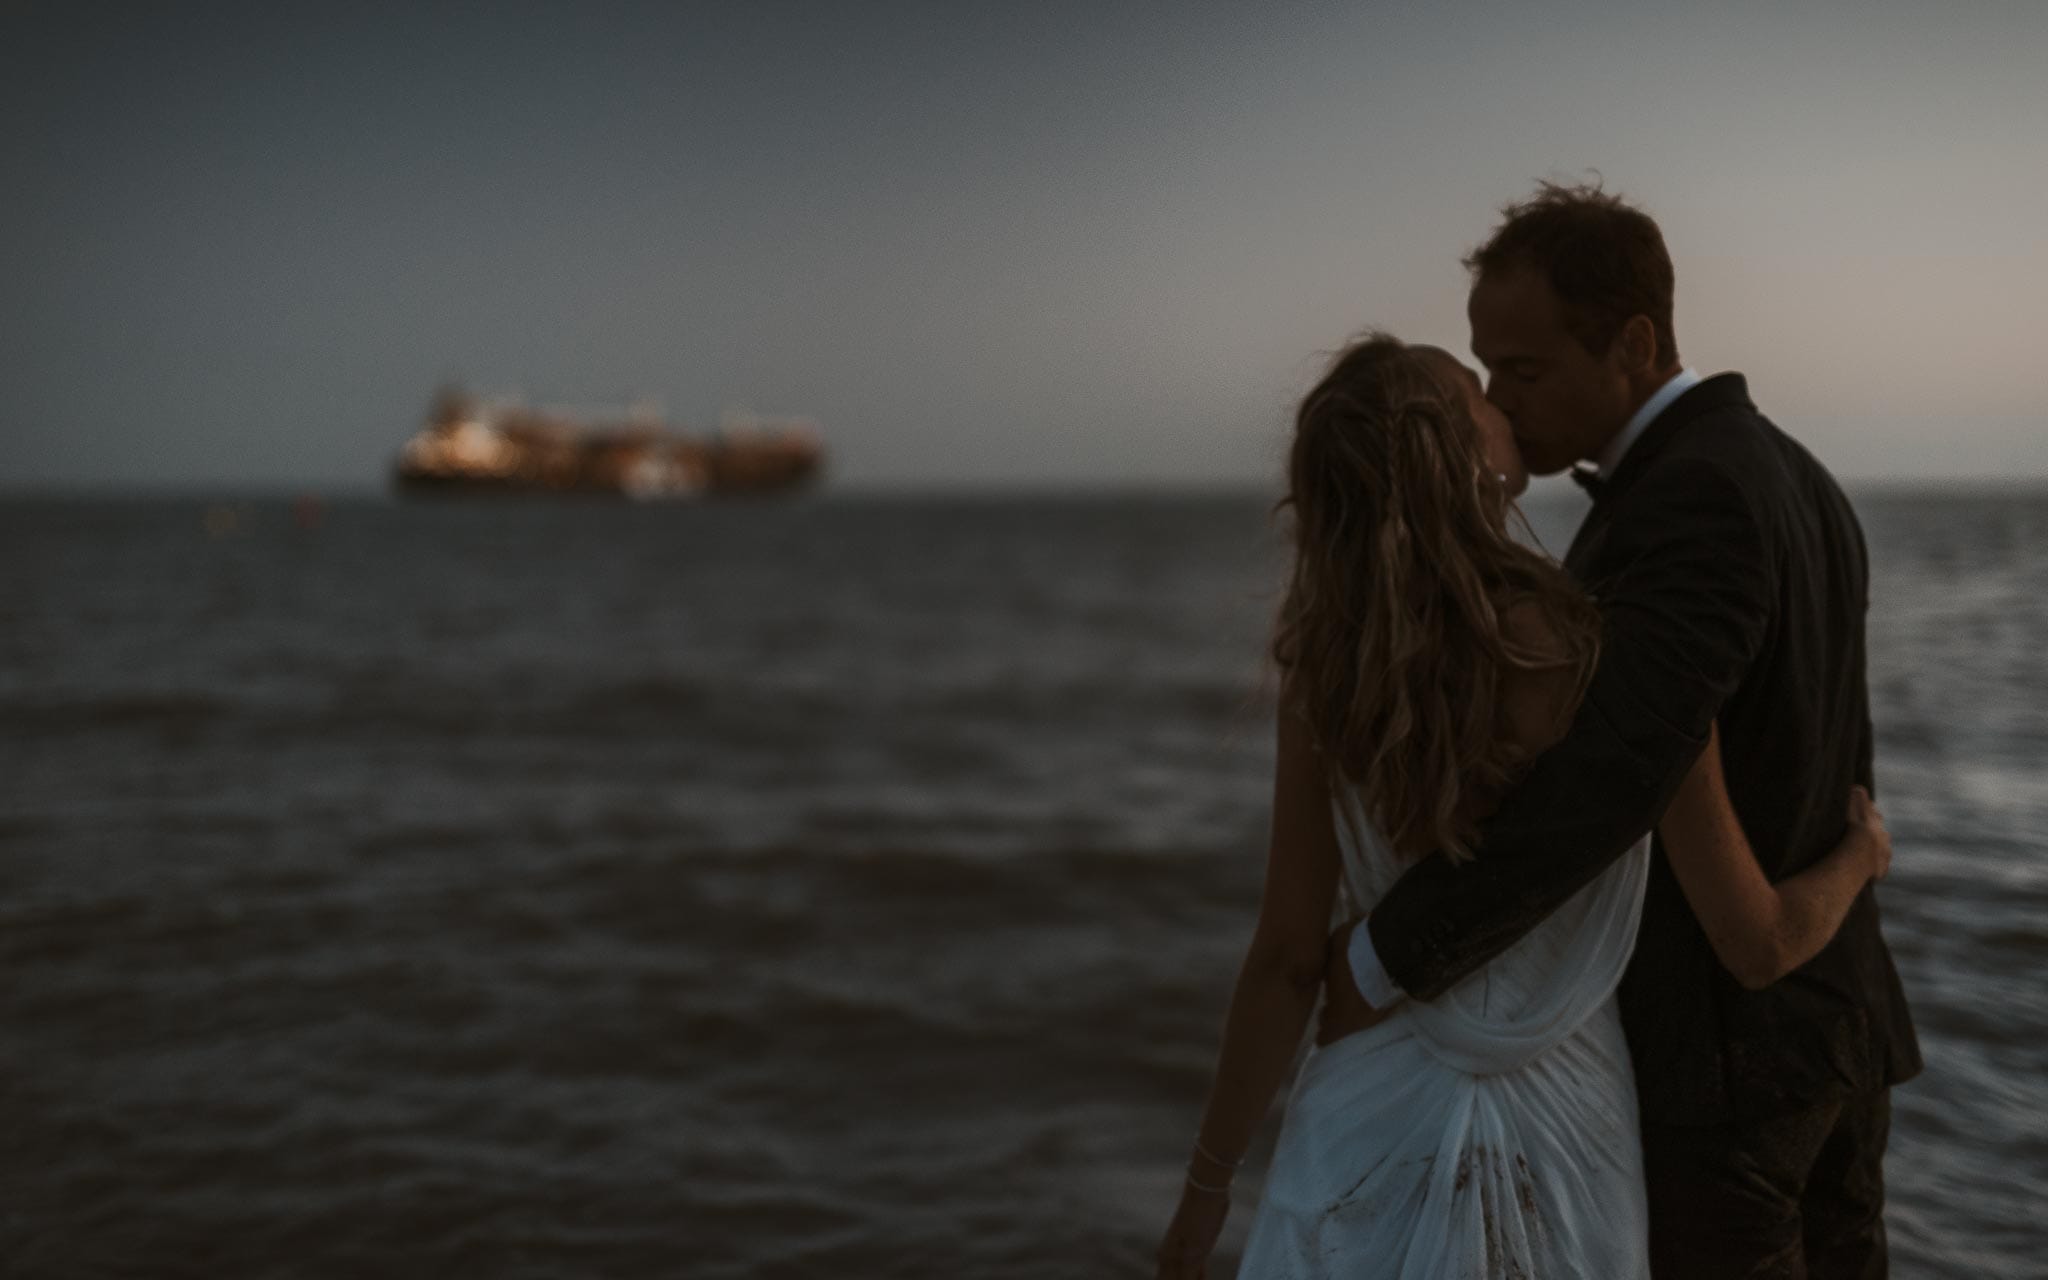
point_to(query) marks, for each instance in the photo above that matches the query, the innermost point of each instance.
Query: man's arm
(1686, 585)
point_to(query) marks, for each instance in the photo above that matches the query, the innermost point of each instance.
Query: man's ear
(1639, 345)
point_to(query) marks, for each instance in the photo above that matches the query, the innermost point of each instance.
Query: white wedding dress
(1489, 1133)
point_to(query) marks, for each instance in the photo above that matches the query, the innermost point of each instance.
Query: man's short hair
(1604, 258)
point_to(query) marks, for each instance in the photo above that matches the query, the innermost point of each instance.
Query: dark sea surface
(845, 887)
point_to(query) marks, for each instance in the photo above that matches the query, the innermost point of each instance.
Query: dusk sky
(982, 245)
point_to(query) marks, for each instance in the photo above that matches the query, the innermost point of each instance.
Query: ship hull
(460, 484)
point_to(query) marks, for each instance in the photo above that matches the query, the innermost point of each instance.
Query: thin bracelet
(1202, 1186)
(1213, 1158)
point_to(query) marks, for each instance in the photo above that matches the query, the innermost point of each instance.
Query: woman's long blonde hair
(1390, 638)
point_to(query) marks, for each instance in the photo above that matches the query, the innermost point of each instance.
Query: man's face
(1562, 402)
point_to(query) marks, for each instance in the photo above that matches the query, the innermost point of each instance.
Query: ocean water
(850, 886)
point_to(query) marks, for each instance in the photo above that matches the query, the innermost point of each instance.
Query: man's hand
(1344, 1010)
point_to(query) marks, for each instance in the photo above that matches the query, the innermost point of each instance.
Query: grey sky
(1018, 244)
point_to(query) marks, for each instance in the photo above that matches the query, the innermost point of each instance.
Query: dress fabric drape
(1489, 1133)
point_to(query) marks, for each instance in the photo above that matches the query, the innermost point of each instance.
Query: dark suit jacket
(1733, 580)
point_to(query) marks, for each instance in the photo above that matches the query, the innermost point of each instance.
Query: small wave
(171, 711)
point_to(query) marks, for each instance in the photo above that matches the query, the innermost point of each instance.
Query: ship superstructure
(474, 445)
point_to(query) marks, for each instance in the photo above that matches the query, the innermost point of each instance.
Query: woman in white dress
(1426, 655)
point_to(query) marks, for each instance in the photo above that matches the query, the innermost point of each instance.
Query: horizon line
(1548, 490)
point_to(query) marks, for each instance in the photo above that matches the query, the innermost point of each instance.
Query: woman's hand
(1866, 822)
(1191, 1236)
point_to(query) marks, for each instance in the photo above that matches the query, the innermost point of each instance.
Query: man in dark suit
(1733, 579)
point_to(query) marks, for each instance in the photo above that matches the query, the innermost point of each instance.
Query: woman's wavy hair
(1390, 637)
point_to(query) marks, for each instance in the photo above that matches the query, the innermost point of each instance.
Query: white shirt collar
(1611, 454)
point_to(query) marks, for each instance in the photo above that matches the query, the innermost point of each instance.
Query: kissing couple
(1607, 996)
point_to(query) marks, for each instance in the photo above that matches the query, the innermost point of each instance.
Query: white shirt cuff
(1367, 973)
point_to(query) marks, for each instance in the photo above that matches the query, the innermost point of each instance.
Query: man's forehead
(1511, 317)
(1517, 293)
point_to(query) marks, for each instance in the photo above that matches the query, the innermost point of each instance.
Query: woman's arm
(1762, 931)
(1276, 992)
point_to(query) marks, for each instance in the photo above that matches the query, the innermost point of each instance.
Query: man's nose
(1497, 393)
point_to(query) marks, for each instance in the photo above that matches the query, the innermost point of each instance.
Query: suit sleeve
(1686, 588)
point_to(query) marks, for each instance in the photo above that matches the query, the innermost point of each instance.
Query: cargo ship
(471, 445)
